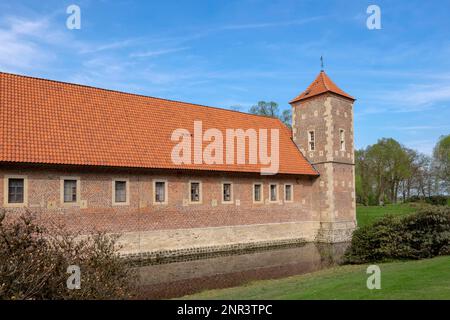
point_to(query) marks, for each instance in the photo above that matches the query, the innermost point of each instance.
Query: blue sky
(235, 53)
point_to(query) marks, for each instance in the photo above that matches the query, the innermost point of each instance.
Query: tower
(322, 124)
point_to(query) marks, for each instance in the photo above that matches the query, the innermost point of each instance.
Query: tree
(441, 156)
(270, 109)
(381, 170)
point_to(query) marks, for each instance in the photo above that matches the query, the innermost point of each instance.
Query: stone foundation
(335, 232)
(167, 244)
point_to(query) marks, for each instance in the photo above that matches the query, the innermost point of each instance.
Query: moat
(177, 279)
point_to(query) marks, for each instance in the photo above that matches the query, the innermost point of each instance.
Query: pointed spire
(321, 63)
(320, 85)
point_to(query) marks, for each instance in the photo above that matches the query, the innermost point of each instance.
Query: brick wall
(142, 215)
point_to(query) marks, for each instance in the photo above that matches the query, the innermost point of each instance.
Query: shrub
(433, 200)
(34, 262)
(422, 235)
(436, 200)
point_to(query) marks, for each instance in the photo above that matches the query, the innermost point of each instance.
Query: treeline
(387, 172)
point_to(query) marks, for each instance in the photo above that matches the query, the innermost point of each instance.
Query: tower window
(311, 141)
(342, 139)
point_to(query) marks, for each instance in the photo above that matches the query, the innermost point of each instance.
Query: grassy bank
(423, 279)
(369, 214)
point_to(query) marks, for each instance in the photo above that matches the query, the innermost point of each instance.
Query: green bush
(424, 234)
(34, 262)
(433, 200)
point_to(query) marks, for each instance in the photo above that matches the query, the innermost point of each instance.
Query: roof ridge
(134, 94)
(322, 76)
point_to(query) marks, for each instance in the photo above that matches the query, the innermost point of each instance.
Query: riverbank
(423, 279)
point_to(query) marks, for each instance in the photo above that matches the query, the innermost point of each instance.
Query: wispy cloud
(270, 24)
(155, 53)
(95, 48)
(406, 99)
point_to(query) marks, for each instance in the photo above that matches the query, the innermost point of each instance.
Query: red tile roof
(50, 122)
(321, 85)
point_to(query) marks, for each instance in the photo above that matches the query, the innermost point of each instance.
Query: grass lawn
(367, 215)
(423, 279)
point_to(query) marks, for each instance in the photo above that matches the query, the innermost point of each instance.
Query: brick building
(96, 158)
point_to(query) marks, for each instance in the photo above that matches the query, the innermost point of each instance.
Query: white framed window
(258, 196)
(273, 192)
(311, 140)
(121, 192)
(227, 192)
(342, 139)
(288, 193)
(15, 189)
(70, 191)
(160, 192)
(195, 192)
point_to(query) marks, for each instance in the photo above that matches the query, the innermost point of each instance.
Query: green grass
(368, 215)
(423, 279)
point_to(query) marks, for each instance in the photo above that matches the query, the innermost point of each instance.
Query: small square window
(120, 191)
(16, 190)
(257, 192)
(195, 191)
(288, 192)
(70, 191)
(160, 191)
(273, 192)
(227, 189)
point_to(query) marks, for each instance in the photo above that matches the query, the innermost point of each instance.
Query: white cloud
(19, 49)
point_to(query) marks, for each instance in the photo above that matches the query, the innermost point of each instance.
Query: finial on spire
(321, 63)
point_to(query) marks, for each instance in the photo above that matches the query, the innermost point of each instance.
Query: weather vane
(321, 62)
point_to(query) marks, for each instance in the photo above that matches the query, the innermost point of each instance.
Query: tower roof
(320, 85)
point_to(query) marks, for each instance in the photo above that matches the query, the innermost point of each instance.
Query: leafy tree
(271, 109)
(442, 160)
(390, 164)
(381, 170)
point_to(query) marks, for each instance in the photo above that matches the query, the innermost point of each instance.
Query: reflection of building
(97, 158)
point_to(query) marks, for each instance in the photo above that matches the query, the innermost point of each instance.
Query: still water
(176, 279)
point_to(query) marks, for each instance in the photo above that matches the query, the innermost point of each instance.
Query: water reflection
(177, 279)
